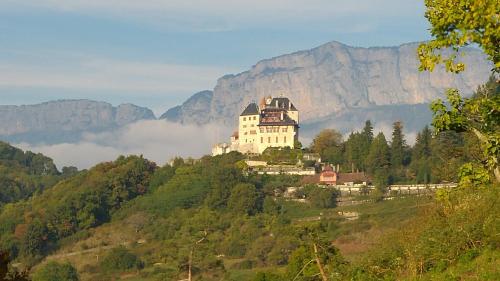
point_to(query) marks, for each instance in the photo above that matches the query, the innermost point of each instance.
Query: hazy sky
(156, 53)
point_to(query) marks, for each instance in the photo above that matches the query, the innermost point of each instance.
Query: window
(253, 132)
(261, 139)
(262, 130)
(252, 125)
(276, 139)
(244, 119)
(255, 118)
(284, 130)
(284, 139)
(268, 139)
(244, 126)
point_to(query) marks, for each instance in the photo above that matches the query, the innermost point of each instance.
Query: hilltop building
(272, 123)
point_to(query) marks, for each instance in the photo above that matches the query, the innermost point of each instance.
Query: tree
(356, 151)
(398, 146)
(326, 138)
(457, 24)
(323, 197)
(54, 271)
(120, 258)
(479, 115)
(368, 131)
(244, 198)
(421, 154)
(378, 161)
(35, 239)
(379, 156)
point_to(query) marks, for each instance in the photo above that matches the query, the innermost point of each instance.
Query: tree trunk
(318, 262)
(189, 265)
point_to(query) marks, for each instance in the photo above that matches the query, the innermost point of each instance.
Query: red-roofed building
(328, 176)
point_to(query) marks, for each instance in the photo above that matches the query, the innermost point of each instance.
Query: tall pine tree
(399, 155)
(378, 161)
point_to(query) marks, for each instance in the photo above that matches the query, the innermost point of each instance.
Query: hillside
(333, 81)
(24, 173)
(65, 120)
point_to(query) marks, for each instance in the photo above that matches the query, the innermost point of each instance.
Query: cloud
(156, 140)
(90, 74)
(207, 15)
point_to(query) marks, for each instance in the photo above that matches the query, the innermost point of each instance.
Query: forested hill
(24, 173)
(145, 221)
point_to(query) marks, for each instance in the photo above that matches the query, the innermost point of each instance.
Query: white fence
(394, 189)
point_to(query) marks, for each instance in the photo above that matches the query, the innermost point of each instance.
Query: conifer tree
(378, 161)
(398, 146)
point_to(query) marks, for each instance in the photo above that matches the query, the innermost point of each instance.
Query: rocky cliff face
(334, 79)
(195, 110)
(64, 120)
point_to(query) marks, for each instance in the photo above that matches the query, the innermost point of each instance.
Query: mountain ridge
(65, 120)
(333, 78)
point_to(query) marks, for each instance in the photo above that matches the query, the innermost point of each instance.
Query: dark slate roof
(252, 109)
(283, 103)
(270, 120)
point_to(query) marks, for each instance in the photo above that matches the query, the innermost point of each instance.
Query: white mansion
(272, 123)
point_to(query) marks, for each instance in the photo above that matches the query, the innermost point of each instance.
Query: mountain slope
(193, 110)
(65, 120)
(333, 79)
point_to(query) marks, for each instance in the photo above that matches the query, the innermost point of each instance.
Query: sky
(157, 53)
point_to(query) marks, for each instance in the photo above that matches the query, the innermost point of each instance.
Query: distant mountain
(334, 80)
(65, 120)
(194, 110)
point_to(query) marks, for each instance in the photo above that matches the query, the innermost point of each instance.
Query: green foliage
(479, 115)
(326, 138)
(460, 228)
(267, 276)
(285, 155)
(457, 24)
(244, 199)
(54, 271)
(120, 259)
(378, 158)
(321, 197)
(23, 174)
(39, 224)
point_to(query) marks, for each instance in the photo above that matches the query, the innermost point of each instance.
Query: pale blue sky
(156, 53)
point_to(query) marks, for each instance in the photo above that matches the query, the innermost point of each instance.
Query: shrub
(54, 271)
(121, 259)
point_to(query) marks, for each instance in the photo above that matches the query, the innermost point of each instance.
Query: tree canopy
(458, 23)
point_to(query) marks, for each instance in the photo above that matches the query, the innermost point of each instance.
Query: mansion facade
(272, 123)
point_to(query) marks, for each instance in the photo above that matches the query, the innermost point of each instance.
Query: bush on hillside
(54, 271)
(120, 258)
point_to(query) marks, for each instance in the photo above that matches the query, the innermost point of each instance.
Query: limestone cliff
(334, 79)
(65, 120)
